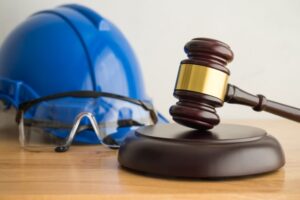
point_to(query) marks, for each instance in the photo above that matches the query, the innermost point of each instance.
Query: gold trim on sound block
(202, 79)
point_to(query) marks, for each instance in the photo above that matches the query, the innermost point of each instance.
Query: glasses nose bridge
(92, 120)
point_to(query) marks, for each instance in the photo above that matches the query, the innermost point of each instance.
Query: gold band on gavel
(202, 79)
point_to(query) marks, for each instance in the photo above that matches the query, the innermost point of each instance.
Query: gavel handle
(260, 103)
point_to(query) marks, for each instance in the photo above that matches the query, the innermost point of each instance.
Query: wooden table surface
(92, 172)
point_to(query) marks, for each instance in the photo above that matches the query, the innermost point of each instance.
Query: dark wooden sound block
(178, 151)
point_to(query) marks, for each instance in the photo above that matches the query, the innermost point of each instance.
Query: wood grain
(92, 172)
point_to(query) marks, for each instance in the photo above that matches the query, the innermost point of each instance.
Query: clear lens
(48, 124)
(39, 139)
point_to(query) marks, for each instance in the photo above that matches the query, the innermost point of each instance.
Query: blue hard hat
(69, 48)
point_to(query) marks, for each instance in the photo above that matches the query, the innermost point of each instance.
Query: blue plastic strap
(15, 92)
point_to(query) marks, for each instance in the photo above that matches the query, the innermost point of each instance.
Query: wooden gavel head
(201, 83)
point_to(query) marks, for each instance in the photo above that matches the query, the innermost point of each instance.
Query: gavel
(202, 86)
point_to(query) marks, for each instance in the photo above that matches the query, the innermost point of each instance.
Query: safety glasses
(57, 121)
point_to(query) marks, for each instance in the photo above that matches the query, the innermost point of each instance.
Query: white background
(264, 35)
